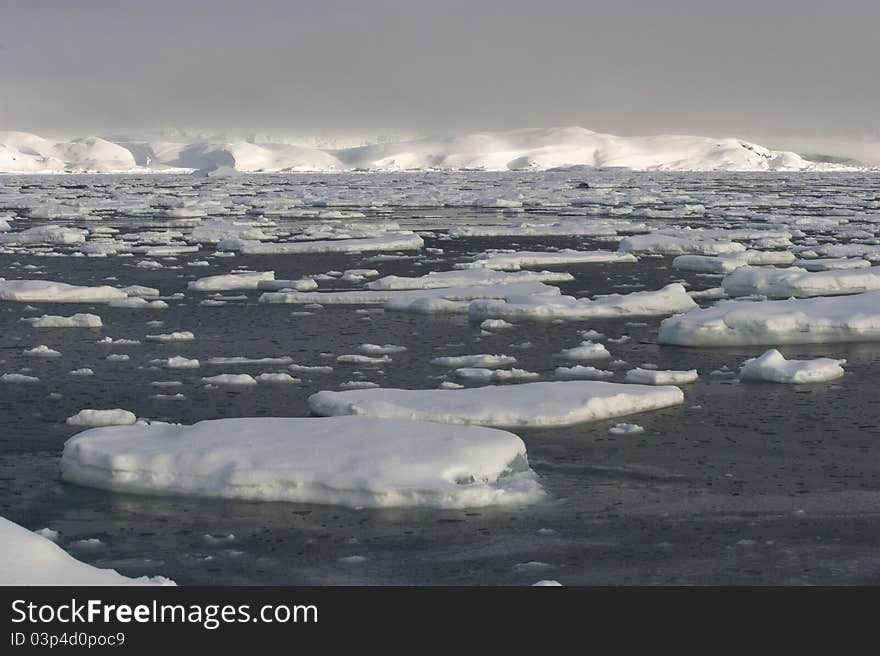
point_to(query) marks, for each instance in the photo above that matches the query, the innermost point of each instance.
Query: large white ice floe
(531, 404)
(800, 283)
(530, 259)
(228, 281)
(668, 300)
(853, 318)
(32, 559)
(47, 291)
(772, 366)
(350, 461)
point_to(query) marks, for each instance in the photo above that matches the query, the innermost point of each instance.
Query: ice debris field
(409, 376)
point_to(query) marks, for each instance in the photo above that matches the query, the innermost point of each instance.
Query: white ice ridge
(391, 241)
(529, 259)
(536, 148)
(668, 300)
(530, 404)
(228, 281)
(772, 366)
(794, 321)
(468, 278)
(46, 291)
(349, 461)
(31, 559)
(800, 283)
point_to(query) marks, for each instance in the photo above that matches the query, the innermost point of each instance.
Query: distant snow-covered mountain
(526, 149)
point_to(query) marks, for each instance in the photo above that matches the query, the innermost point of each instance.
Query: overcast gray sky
(770, 70)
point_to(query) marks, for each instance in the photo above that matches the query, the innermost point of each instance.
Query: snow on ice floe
(466, 278)
(772, 366)
(33, 559)
(79, 320)
(853, 318)
(670, 299)
(90, 417)
(46, 291)
(529, 404)
(530, 259)
(784, 283)
(230, 281)
(660, 377)
(349, 461)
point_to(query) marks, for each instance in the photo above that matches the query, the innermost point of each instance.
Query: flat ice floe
(794, 321)
(670, 245)
(529, 259)
(482, 360)
(89, 417)
(350, 461)
(530, 404)
(466, 278)
(772, 366)
(660, 377)
(32, 559)
(670, 299)
(228, 281)
(800, 283)
(404, 299)
(570, 227)
(80, 320)
(47, 291)
(832, 263)
(728, 262)
(402, 241)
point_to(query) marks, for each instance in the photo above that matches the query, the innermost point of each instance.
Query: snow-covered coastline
(514, 150)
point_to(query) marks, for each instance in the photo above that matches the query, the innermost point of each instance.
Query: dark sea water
(745, 483)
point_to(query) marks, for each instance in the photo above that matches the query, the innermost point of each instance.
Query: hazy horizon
(782, 73)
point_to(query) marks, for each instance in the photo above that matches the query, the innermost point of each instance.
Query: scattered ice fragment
(626, 429)
(773, 367)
